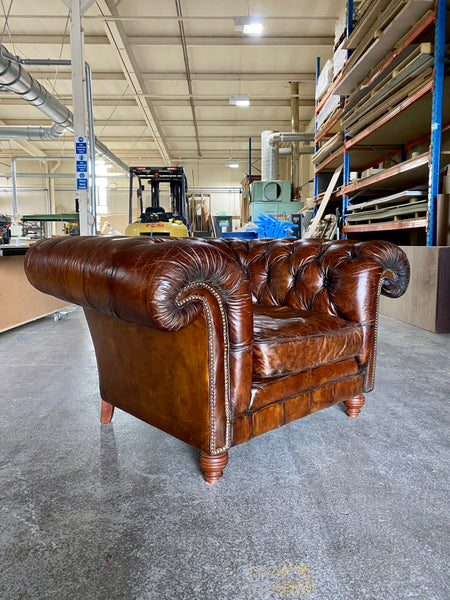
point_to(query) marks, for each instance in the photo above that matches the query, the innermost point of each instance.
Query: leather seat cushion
(288, 340)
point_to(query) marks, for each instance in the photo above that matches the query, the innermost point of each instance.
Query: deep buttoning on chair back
(319, 275)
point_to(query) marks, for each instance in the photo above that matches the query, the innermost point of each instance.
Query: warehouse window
(101, 180)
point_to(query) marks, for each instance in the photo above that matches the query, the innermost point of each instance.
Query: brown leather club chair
(218, 341)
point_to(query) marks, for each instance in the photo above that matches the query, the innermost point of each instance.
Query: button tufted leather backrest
(309, 274)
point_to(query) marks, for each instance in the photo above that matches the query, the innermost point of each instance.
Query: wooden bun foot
(213, 466)
(106, 413)
(354, 405)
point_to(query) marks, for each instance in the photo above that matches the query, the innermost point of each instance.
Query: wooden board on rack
(329, 147)
(388, 212)
(407, 195)
(399, 83)
(354, 73)
(376, 30)
(365, 23)
(364, 117)
(410, 172)
(313, 225)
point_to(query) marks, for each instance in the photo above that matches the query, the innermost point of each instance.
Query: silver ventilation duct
(15, 78)
(31, 132)
(269, 159)
(270, 150)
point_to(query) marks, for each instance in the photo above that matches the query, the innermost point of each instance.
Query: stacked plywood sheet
(330, 109)
(328, 147)
(379, 29)
(408, 76)
(324, 80)
(402, 205)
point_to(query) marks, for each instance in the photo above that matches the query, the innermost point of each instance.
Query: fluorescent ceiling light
(240, 99)
(253, 29)
(249, 25)
(233, 164)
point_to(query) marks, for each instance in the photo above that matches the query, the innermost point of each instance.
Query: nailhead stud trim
(212, 378)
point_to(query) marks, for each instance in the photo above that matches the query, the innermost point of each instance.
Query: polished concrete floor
(326, 508)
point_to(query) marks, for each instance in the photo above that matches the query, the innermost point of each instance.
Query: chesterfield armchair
(218, 341)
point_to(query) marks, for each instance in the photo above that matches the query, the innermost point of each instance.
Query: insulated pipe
(269, 158)
(270, 141)
(106, 152)
(278, 138)
(32, 132)
(17, 79)
(288, 151)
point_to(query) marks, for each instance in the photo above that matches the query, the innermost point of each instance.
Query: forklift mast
(155, 175)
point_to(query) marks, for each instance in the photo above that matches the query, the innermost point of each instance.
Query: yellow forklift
(155, 220)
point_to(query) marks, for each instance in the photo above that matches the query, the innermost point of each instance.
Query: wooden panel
(443, 291)
(425, 303)
(20, 302)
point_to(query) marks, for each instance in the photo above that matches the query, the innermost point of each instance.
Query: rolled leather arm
(395, 271)
(143, 280)
(355, 273)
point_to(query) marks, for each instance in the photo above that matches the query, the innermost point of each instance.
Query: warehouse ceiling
(163, 71)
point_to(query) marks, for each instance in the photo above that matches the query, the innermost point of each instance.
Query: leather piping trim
(212, 377)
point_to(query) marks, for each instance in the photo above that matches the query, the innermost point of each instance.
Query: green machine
(273, 197)
(270, 191)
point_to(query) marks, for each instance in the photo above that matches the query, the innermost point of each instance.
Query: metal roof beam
(169, 40)
(216, 40)
(181, 76)
(188, 74)
(119, 41)
(279, 123)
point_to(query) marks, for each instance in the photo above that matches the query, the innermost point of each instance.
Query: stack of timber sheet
(370, 82)
(406, 195)
(330, 109)
(340, 57)
(340, 27)
(406, 78)
(328, 147)
(405, 204)
(377, 32)
(389, 213)
(324, 80)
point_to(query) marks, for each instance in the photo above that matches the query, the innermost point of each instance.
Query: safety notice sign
(81, 162)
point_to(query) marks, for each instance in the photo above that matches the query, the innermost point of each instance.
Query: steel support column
(316, 147)
(436, 118)
(79, 103)
(295, 125)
